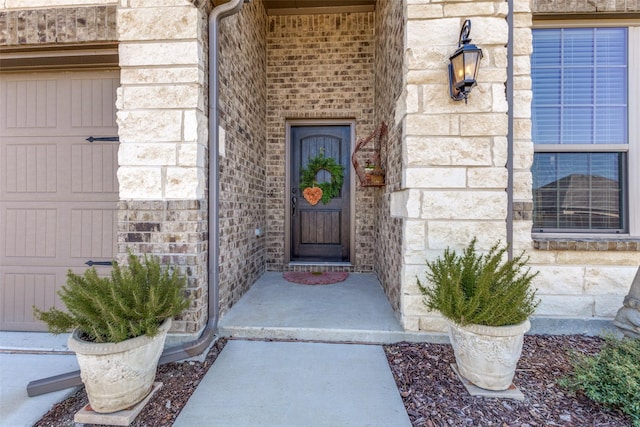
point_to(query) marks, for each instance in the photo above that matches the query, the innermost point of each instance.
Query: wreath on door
(325, 191)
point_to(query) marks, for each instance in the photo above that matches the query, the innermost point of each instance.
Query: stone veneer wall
(579, 278)
(80, 24)
(318, 66)
(163, 140)
(388, 90)
(454, 176)
(243, 103)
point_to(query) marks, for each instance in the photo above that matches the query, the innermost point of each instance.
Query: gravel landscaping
(432, 394)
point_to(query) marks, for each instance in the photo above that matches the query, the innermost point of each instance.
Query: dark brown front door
(320, 233)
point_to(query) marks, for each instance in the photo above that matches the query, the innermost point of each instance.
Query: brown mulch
(179, 381)
(434, 397)
(432, 394)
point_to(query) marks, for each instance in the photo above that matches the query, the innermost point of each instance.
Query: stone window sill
(587, 244)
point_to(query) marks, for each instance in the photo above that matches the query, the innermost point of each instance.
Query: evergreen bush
(133, 301)
(612, 377)
(480, 289)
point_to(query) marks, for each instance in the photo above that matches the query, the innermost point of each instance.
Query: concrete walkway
(296, 384)
(18, 368)
(260, 383)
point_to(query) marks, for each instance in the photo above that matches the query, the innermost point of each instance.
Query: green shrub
(612, 377)
(480, 289)
(133, 301)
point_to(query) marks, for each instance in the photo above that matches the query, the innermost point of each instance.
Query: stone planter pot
(486, 355)
(117, 376)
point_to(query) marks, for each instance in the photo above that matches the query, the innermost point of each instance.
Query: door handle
(294, 202)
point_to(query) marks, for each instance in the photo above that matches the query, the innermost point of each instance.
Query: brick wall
(318, 66)
(58, 25)
(242, 167)
(176, 232)
(388, 90)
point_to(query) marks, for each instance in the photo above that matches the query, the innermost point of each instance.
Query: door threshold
(320, 264)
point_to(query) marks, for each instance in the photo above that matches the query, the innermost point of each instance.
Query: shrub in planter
(612, 377)
(488, 300)
(118, 322)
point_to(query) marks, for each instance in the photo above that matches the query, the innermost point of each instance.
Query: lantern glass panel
(458, 69)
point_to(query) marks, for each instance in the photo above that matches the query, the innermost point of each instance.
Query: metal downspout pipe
(196, 347)
(510, 129)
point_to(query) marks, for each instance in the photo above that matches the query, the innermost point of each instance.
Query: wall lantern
(464, 65)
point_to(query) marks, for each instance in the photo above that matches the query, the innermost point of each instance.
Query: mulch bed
(432, 394)
(434, 397)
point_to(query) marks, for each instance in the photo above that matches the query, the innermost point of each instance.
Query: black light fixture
(464, 64)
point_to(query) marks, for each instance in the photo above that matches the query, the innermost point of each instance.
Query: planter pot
(117, 376)
(487, 355)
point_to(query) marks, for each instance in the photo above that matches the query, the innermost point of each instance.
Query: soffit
(293, 7)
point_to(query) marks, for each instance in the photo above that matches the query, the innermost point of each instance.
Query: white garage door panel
(58, 192)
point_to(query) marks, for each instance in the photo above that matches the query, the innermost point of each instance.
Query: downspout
(196, 347)
(510, 127)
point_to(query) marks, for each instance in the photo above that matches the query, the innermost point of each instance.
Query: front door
(320, 232)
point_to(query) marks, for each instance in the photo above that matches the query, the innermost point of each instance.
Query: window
(584, 146)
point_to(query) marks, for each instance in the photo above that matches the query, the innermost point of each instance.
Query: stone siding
(579, 278)
(388, 231)
(88, 24)
(242, 165)
(454, 176)
(584, 6)
(318, 67)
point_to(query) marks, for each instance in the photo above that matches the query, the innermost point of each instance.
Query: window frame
(632, 149)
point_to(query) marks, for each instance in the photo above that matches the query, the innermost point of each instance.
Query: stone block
(464, 205)
(168, 53)
(462, 9)
(412, 99)
(603, 258)
(433, 32)
(523, 41)
(184, 183)
(608, 280)
(488, 124)
(191, 74)
(434, 323)
(448, 151)
(173, 96)
(490, 30)
(431, 125)
(415, 235)
(556, 280)
(143, 183)
(499, 97)
(158, 23)
(191, 154)
(607, 305)
(523, 183)
(405, 204)
(435, 177)
(569, 306)
(146, 125)
(522, 104)
(147, 154)
(413, 305)
(424, 11)
(492, 177)
(444, 234)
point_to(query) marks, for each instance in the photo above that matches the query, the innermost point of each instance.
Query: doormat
(315, 277)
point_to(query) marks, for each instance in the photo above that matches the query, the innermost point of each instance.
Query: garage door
(58, 191)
